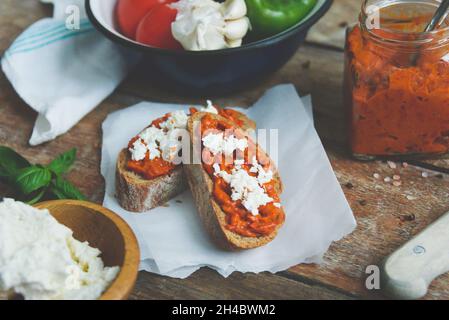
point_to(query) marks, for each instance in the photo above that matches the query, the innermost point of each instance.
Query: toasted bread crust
(138, 195)
(211, 214)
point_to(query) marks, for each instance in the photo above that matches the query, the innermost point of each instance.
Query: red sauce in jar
(396, 106)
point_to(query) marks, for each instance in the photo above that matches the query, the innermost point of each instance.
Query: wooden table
(387, 216)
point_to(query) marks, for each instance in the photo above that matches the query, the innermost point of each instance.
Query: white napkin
(63, 74)
(172, 239)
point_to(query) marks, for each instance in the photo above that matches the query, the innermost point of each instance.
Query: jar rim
(440, 36)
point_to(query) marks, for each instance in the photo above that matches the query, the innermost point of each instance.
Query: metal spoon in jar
(439, 16)
(437, 19)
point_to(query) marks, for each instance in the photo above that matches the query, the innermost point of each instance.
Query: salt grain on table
(391, 164)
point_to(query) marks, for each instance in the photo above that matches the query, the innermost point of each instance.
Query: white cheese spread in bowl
(40, 259)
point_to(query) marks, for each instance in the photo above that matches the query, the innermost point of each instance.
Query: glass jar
(397, 81)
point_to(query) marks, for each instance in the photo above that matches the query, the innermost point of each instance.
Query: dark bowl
(211, 72)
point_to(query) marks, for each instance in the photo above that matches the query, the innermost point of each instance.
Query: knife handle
(408, 272)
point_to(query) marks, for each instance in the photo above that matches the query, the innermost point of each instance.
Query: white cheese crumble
(40, 259)
(210, 108)
(245, 187)
(177, 120)
(161, 142)
(138, 150)
(262, 175)
(239, 162)
(217, 143)
(164, 141)
(150, 137)
(171, 145)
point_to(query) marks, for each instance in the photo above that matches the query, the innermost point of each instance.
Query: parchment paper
(172, 239)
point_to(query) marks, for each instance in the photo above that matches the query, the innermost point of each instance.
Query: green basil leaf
(11, 162)
(63, 162)
(58, 194)
(65, 190)
(35, 196)
(31, 179)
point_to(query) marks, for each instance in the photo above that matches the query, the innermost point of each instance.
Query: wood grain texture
(330, 31)
(386, 216)
(207, 284)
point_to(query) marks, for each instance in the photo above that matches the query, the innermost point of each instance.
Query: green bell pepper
(269, 17)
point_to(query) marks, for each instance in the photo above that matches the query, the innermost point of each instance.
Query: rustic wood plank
(387, 217)
(15, 16)
(238, 286)
(330, 31)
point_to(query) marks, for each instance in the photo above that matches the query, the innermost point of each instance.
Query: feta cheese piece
(255, 199)
(239, 163)
(210, 108)
(262, 175)
(151, 136)
(218, 143)
(138, 150)
(171, 145)
(221, 173)
(213, 142)
(40, 259)
(231, 143)
(177, 120)
(217, 168)
(245, 187)
(161, 142)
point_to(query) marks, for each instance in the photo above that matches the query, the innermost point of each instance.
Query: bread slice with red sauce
(137, 194)
(210, 212)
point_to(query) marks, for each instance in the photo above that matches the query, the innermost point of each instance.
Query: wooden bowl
(105, 230)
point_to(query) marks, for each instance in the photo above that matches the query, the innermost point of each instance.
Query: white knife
(408, 272)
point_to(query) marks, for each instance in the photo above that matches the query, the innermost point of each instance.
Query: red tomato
(155, 29)
(131, 12)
